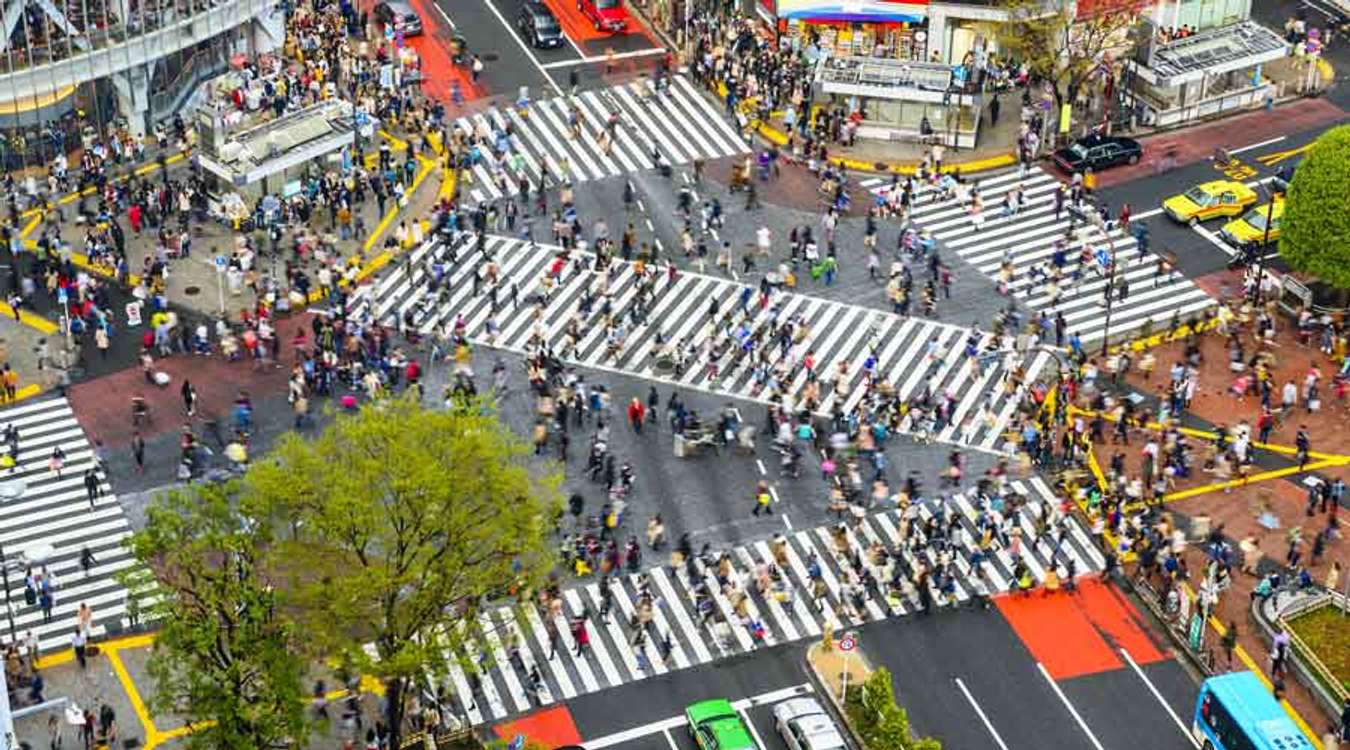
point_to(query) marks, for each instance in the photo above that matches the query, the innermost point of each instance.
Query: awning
(855, 11)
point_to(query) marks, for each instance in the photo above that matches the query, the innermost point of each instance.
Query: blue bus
(1236, 711)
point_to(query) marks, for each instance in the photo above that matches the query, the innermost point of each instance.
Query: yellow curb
(1158, 339)
(1255, 668)
(779, 138)
(32, 320)
(1211, 435)
(1261, 477)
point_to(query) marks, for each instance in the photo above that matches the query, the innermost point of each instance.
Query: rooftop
(244, 150)
(1217, 50)
(879, 71)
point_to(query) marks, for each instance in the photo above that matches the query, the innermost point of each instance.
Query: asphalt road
(964, 677)
(1195, 248)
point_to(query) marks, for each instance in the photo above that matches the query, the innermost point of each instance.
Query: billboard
(875, 11)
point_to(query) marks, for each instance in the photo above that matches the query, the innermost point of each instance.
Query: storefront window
(1205, 14)
(901, 41)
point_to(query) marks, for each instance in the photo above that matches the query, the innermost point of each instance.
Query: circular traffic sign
(848, 643)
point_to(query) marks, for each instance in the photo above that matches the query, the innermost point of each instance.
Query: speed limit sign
(848, 643)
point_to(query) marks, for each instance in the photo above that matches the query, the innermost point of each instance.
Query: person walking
(189, 398)
(79, 641)
(138, 451)
(762, 499)
(91, 485)
(580, 635)
(87, 560)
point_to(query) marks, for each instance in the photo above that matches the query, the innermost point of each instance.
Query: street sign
(848, 643)
(220, 262)
(1197, 634)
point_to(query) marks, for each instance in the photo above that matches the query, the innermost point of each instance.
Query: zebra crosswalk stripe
(1027, 238)
(53, 510)
(788, 612)
(839, 332)
(679, 124)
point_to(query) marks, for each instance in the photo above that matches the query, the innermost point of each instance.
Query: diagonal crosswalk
(681, 124)
(1027, 239)
(41, 509)
(971, 370)
(765, 593)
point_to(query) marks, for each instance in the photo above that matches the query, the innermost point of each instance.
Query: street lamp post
(1110, 302)
(1265, 243)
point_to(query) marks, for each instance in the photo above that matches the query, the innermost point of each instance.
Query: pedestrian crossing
(1028, 237)
(760, 594)
(911, 354)
(680, 123)
(48, 516)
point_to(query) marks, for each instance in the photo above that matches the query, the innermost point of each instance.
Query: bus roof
(1251, 704)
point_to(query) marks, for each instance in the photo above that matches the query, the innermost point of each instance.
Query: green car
(715, 725)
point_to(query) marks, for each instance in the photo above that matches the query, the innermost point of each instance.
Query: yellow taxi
(1252, 226)
(1217, 198)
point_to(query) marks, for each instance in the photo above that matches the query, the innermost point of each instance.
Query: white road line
(674, 722)
(669, 740)
(980, 713)
(787, 522)
(523, 48)
(1065, 700)
(745, 716)
(1166, 706)
(1244, 149)
(444, 15)
(1214, 240)
(602, 58)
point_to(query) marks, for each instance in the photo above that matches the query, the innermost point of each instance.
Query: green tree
(1315, 230)
(402, 523)
(883, 724)
(223, 659)
(1061, 46)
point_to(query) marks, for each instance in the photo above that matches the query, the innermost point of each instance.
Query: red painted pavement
(438, 69)
(1081, 633)
(548, 728)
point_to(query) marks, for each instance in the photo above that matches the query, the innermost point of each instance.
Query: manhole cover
(490, 57)
(192, 291)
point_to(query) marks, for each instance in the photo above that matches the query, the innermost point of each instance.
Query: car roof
(400, 6)
(811, 720)
(709, 709)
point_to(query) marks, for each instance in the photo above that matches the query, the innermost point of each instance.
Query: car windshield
(606, 4)
(1079, 150)
(545, 22)
(1199, 197)
(1256, 219)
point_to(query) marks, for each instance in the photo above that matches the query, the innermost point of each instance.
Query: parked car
(1252, 226)
(539, 27)
(715, 725)
(1098, 152)
(607, 15)
(804, 725)
(1210, 200)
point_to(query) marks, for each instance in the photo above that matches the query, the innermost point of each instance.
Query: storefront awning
(853, 11)
(1211, 53)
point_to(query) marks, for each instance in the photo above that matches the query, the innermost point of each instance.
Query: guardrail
(1311, 661)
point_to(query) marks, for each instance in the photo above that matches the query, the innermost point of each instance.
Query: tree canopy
(1315, 230)
(1061, 45)
(403, 521)
(222, 659)
(391, 528)
(879, 720)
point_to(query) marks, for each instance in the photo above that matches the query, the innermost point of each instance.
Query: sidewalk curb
(823, 687)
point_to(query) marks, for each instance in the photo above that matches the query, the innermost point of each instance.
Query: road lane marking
(1255, 146)
(602, 58)
(1073, 711)
(745, 716)
(669, 740)
(444, 15)
(980, 713)
(674, 722)
(1166, 706)
(523, 48)
(1214, 240)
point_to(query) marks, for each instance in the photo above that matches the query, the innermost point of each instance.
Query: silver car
(804, 725)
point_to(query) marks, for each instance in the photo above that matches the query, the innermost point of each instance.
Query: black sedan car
(539, 27)
(1098, 152)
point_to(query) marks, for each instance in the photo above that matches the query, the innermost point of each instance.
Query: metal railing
(116, 49)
